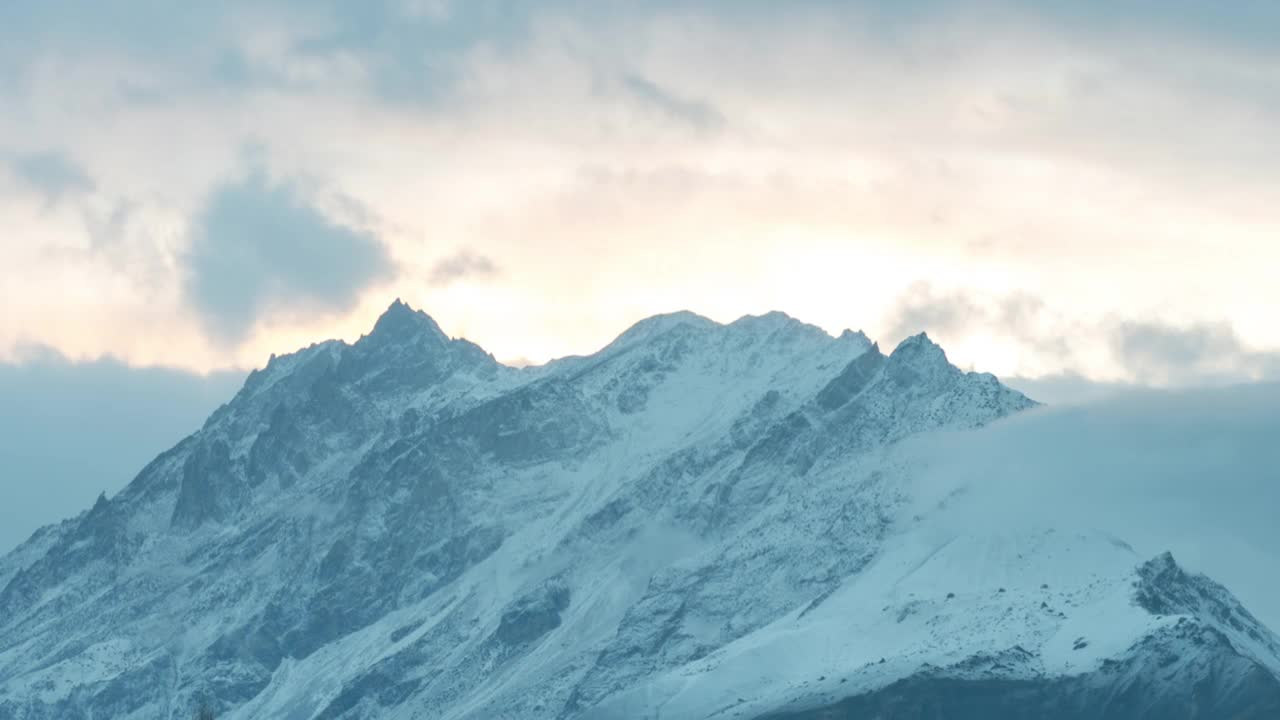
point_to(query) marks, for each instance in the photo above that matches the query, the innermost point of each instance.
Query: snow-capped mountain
(698, 521)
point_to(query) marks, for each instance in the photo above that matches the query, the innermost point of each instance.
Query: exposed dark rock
(852, 380)
(533, 615)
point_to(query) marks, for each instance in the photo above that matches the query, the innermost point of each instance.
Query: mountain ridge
(404, 527)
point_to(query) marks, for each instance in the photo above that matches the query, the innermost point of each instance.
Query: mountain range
(701, 520)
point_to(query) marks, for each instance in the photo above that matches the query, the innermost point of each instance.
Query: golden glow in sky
(1042, 196)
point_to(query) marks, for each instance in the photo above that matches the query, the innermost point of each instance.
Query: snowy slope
(700, 520)
(1012, 607)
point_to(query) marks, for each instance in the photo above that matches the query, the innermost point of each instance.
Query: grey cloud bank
(72, 430)
(1194, 472)
(260, 250)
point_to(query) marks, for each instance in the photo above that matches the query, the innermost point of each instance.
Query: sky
(1076, 196)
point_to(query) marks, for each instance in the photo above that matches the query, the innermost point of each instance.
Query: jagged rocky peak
(920, 350)
(919, 359)
(1164, 587)
(409, 349)
(400, 323)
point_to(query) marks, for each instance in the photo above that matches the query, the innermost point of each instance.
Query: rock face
(700, 520)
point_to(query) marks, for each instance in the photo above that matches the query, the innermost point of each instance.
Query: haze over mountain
(702, 520)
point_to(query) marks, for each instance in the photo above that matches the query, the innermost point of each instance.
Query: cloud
(990, 146)
(1157, 353)
(52, 174)
(1067, 388)
(954, 313)
(1189, 471)
(698, 114)
(260, 250)
(71, 430)
(401, 49)
(1146, 352)
(459, 266)
(923, 309)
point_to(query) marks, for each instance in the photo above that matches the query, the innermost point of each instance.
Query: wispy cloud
(461, 265)
(924, 308)
(698, 114)
(1143, 351)
(52, 174)
(1157, 353)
